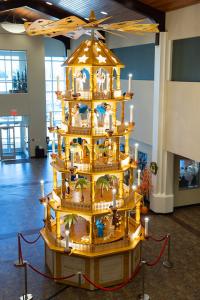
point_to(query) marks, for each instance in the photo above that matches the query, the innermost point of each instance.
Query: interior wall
(143, 109)
(183, 122)
(128, 40)
(182, 111)
(30, 104)
(138, 60)
(143, 88)
(53, 47)
(183, 23)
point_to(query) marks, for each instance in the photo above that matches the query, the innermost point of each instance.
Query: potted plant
(81, 184)
(103, 183)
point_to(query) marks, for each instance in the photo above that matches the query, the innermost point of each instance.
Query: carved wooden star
(83, 58)
(101, 59)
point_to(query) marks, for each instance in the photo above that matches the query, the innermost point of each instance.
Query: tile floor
(21, 212)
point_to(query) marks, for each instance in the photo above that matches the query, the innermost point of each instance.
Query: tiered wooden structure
(105, 236)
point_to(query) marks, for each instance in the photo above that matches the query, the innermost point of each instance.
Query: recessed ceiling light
(104, 13)
(49, 3)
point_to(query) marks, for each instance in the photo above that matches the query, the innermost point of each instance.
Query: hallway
(22, 212)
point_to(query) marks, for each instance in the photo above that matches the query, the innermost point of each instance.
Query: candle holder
(54, 156)
(43, 200)
(73, 170)
(131, 124)
(59, 94)
(76, 95)
(133, 163)
(68, 251)
(109, 132)
(51, 129)
(128, 95)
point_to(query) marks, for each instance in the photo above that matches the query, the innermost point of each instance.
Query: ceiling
(168, 5)
(63, 8)
(120, 10)
(117, 10)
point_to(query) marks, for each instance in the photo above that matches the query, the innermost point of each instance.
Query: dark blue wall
(138, 60)
(186, 60)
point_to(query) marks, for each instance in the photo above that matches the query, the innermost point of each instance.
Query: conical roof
(93, 53)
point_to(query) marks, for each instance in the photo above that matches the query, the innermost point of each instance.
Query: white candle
(58, 84)
(110, 121)
(134, 187)
(108, 82)
(67, 239)
(45, 210)
(72, 159)
(131, 113)
(136, 151)
(74, 85)
(114, 191)
(53, 144)
(42, 187)
(139, 174)
(146, 226)
(129, 82)
(51, 118)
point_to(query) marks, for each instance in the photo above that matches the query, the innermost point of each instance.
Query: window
(13, 72)
(189, 174)
(53, 69)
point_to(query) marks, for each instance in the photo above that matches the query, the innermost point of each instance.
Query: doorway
(14, 138)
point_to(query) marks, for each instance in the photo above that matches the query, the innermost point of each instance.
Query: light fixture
(49, 3)
(104, 13)
(13, 27)
(24, 19)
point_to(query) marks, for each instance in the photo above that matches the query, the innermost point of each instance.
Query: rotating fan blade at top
(73, 27)
(130, 26)
(52, 28)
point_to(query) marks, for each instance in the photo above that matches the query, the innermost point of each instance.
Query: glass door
(7, 143)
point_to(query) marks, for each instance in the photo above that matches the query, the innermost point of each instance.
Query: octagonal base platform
(103, 269)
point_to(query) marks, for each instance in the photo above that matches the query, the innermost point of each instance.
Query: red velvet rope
(34, 269)
(153, 263)
(157, 239)
(30, 242)
(115, 288)
(50, 277)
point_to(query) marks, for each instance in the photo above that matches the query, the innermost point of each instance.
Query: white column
(162, 200)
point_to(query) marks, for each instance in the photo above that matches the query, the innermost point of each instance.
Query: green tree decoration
(103, 183)
(81, 183)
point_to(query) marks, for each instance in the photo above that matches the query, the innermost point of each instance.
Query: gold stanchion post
(167, 262)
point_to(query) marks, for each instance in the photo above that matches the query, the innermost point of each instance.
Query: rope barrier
(50, 277)
(30, 242)
(157, 239)
(115, 288)
(153, 263)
